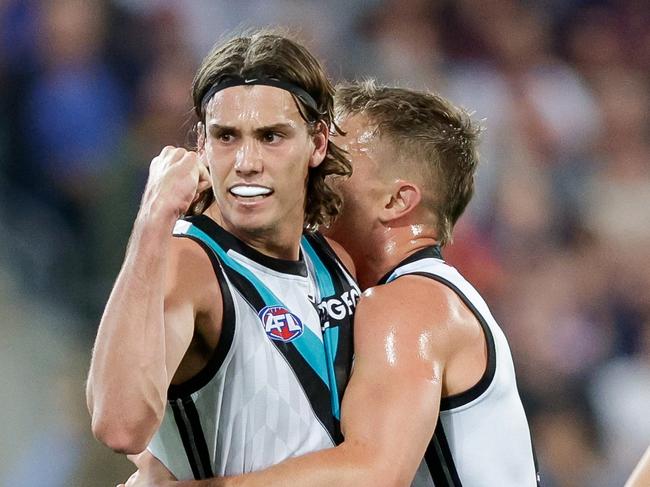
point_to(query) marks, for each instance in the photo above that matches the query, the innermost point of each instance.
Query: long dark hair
(270, 54)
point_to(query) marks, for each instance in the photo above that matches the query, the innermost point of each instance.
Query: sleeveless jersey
(272, 389)
(482, 438)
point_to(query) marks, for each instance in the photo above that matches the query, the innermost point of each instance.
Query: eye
(223, 135)
(271, 136)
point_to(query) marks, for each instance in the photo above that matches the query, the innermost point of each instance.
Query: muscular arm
(391, 404)
(148, 322)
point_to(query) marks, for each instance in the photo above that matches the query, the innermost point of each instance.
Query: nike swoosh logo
(250, 80)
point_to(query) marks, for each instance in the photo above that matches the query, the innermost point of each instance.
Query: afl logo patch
(280, 324)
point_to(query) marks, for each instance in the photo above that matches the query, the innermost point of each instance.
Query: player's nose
(249, 158)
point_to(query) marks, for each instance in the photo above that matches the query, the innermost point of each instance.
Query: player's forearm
(128, 380)
(343, 466)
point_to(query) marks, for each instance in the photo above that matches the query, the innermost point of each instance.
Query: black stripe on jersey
(432, 252)
(189, 428)
(457, 400)
(225, 338)
(228, 241)
(315, 389)
(199, 437)
(246, 288)
(440, 461)
(345, 350)
(317, 392)
(319, 242)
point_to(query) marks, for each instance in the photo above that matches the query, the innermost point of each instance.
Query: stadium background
(557, 237)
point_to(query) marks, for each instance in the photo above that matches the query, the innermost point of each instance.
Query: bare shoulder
(343, 255)
(193, 294)
(190, 275)
(418, 309)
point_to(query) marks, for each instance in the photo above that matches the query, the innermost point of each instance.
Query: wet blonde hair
(427, 130)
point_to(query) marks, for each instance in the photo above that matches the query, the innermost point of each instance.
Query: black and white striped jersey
(272, 389)
(482, 438)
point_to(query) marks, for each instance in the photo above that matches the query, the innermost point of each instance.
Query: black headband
(234, 80)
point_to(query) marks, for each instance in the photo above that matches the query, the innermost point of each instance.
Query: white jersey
(272, 389)
(482, 438)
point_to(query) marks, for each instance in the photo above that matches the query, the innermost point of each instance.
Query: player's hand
(150, 473)
(176, 178)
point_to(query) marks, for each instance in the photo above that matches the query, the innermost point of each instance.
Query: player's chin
(256, 224)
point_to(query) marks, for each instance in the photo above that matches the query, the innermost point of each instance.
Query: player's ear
(200, 145)
(320, 138)
(200, 137)
(402, 199)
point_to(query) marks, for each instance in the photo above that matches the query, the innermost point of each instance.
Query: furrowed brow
(215, 127)
(276, 127)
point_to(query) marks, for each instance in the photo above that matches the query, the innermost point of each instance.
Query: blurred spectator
(618, 197)
(538, 111)
(566, 437)
(18, 40)
(75, 108)
(621, 393)
(401, 40)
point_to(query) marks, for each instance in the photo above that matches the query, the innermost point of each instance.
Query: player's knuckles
(185, 185)
(178, 155)
(185, 174)
(175, 175)
(172, 152)
(156, 162)
(158, 170)
(168, 157)
(189, 155)
(189, 161)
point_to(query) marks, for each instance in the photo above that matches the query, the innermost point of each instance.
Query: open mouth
(250, 192)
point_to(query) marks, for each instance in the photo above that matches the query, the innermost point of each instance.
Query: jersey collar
(431, 252)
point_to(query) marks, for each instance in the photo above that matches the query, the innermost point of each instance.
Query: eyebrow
(259, 130)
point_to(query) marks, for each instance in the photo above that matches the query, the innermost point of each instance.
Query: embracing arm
(148, 322)
(391, 404)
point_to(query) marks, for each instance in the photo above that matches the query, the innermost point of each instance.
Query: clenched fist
(176, 177)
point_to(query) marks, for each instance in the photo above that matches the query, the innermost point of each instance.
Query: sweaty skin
(389, 340)
(417, 230)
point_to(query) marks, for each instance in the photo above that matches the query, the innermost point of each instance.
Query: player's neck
(389, 248)
(279, 242)
(279, 245)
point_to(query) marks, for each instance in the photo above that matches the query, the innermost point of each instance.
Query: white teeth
(250, 191)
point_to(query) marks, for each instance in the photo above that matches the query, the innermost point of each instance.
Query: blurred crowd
(557, 237)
